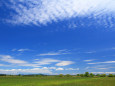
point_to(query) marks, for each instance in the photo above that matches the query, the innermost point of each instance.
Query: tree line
(86, 74)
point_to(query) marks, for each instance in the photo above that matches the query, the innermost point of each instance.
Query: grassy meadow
(56, 81)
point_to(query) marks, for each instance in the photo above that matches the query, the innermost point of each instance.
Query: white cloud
(89, 60)
(25, 71)
(64, 63)
(36, 59)
(9, 59)
(111, 67)
(52, 68)
(59, 69)
(102, 68)
(14, 50)
(29, 65)
(21, 50)
(103, 72)
(36, 63)
(113, 48)
(108, 62)
(59, 52)
(55, 68)
(90, 52)
(72, 69)
(49, 68)
(46, 61)
(3, 65)
(91, 63)
(45, 68)
(102, 62)
(47, 11)
(49, 54)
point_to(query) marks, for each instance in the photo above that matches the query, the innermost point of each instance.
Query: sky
(57, 37)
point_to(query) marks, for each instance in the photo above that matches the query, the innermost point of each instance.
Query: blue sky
(54, 37)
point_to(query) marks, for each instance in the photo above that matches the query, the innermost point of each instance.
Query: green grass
(56, 81)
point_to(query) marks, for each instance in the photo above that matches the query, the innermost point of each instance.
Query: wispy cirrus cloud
(103, 72)
(72, 69)
(91, 63)
(17, 62)
(89, 60)
(90, 52)
(49, 54)
(59, 52)
(48, 11)
(3, 65)
(47, 61)
(37, 63)
(64, 63)
(9, 59)
(21, 50)
(106, 62)
(99, 68)
(59, 69)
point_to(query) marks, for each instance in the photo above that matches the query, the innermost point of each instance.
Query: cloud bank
(25, 71)
(39, 12)
(37, 63)
(43, 70)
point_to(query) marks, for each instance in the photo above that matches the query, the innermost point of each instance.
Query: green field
(56, 81)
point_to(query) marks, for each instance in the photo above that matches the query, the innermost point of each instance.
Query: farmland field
(56, 81)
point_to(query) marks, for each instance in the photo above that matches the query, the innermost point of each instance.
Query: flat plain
(56, 81)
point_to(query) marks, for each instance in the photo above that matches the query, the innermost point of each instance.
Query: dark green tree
(2, 74)
(86, 74)
(103, 75)
(19, 74)
(60, 75)
(82, 75)
(91, 75)
(110, 75)
(98, 75)
(78, 74)
(68, 75)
